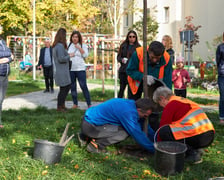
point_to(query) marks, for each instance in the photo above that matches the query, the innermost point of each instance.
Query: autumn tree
(152, 28)
(16, 17)
(112, 11)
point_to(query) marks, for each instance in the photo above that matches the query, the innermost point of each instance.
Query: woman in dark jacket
(125, 52)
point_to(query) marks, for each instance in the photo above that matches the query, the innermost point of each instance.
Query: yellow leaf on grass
(44, 172)
(28, 143)
(146, 172)
(13, 141)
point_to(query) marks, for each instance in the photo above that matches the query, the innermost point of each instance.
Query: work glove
(150, 80)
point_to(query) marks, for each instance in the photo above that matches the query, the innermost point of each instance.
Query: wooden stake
(64, 135)
(67, 140)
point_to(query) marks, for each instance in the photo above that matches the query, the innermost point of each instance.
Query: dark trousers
(104, 135)
(138, 94)
(63, 92)
(194, 142)
(81, 76)
(180, 92)
(48, 76)
(123, 83)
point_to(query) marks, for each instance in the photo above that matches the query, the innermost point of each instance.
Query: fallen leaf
(188, 169)
(28, 143)
(13, 141)
(206, 150)
(106, 157)
(135, 176)
(44, 172)
(76, 166)
(146, 172)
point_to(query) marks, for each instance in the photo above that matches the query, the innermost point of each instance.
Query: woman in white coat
(78, 52)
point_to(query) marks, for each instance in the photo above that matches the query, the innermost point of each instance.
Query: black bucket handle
(158, 131)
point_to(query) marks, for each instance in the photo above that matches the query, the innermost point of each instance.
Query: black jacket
(220, 59)
(42, 54)
(124, 51)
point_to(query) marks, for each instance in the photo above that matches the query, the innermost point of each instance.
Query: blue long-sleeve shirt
(120, 112)
(133, 69)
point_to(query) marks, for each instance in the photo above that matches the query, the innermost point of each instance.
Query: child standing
(180, 78)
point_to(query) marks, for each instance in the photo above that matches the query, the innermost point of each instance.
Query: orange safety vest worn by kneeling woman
(193, 123)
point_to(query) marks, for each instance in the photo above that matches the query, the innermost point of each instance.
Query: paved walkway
(48, 100)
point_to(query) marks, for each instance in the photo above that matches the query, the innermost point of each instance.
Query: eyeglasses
(131, 36)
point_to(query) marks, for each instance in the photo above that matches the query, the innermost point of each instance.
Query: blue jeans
(3, 89)
(81, 76)
(221, 98)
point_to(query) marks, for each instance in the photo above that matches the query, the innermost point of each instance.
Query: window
(126, 20)
(166, 14)
(148, 11)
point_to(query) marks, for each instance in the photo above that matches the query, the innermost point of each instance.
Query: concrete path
(48, 100)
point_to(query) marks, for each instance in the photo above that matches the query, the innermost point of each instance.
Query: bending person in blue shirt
(113, 121)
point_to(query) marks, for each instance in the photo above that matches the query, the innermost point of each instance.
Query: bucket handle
(155, 135)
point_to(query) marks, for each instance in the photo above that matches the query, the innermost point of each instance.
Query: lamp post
(34, 40)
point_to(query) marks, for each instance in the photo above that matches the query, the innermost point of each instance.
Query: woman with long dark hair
(125, 52)
(61, 62)
(78, 52)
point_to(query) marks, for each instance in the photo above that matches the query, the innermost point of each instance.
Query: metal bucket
(47, 151)
(169, 156)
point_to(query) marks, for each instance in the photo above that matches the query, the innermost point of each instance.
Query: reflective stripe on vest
(193, 123)
(134, 84)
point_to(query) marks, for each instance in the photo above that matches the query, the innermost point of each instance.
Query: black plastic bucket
(169, 157)
(47, 151)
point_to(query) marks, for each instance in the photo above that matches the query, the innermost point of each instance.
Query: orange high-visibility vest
(134, 84)
(195, 122)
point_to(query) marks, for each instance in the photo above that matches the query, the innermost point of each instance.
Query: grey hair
(162, 91)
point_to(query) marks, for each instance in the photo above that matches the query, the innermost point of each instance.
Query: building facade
(170, 14)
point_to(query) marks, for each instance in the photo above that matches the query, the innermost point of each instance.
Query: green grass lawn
(23, 87)
(24, 126)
